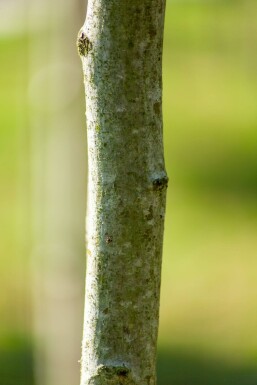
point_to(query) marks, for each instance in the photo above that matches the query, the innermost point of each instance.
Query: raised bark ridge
(121, 49)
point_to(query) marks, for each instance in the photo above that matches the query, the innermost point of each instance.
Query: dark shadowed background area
(208, 312)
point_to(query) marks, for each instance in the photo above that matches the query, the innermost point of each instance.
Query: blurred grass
(16, 361)
(209, 291)
(182, 368)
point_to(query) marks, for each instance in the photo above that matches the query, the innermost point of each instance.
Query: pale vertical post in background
(121, 50)
(58, 164)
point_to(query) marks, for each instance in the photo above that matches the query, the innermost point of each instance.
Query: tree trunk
(121, 49)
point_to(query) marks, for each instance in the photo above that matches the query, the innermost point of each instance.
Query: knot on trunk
(160, 183)
(112, 375)
(84, 44)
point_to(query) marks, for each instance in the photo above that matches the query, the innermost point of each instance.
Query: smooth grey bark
(121, 49)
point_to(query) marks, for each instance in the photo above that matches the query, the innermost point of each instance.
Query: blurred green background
(209, 289)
